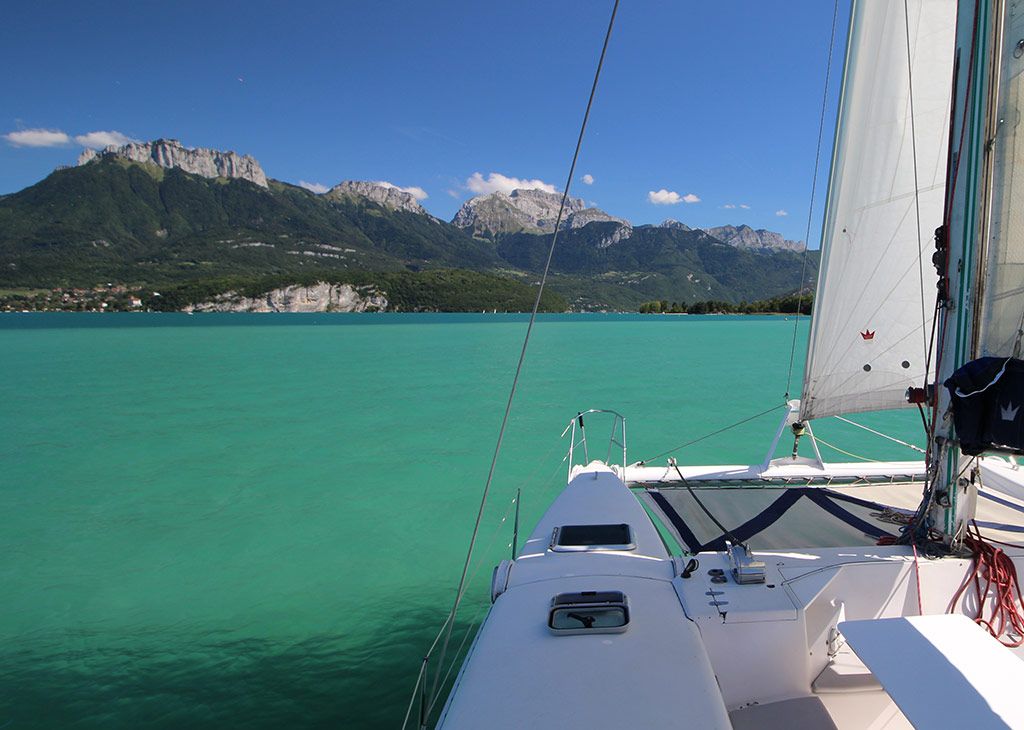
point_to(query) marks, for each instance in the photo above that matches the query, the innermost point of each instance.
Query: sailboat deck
(699, 652)
(587, 681)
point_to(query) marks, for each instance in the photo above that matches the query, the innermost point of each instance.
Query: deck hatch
(589, 612)
(579, 538)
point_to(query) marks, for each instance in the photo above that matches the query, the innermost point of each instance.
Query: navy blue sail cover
(987, 395)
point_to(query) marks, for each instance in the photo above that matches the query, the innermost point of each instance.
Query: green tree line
(776, 305)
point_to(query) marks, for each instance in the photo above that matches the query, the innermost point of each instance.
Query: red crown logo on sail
(867, 335)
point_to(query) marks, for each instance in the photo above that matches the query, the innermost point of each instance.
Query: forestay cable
(522, 354)
(765, 412)
(810, 207)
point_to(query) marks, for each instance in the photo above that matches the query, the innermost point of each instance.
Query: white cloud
(314, 187)
(664, 197)
(670, 197)
(728, 206)
(588, 179)
(414, 191)
(744, 206)
(454, 193)
(99, 140)
(37, 138)
(496, 182)
(781, 213)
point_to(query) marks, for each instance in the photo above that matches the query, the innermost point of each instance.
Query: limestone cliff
(759, 240)
(319, 297)
(198, 160)
(530, 211)
(384, 194)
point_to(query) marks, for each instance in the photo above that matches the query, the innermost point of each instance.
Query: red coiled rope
(995, 569)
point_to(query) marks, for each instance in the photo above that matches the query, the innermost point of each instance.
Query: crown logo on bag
(867, 335)
(1009, 411)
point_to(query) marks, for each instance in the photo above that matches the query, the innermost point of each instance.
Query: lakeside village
(104, 298)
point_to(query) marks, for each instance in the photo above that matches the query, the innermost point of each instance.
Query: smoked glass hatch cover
(589, 612)
(570, 538)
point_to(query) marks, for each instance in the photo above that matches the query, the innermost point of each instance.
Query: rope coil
(994, 576)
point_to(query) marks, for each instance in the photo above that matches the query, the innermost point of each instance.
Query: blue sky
(713, 100)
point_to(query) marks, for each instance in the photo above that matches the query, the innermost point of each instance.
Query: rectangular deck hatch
(577, 538)
(589, 612)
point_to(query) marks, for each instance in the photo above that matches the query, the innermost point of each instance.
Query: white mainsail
(1002, 292)
(873, 312)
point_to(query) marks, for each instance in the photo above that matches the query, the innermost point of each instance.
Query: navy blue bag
(987, 396)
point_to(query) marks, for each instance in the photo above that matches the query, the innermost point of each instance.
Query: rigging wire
(725, 531)
(643, 462)
(845, 453)
(421, 679)
(879, 433)
(522, 354)
(917, 185)
(937, 343)
(810, 208)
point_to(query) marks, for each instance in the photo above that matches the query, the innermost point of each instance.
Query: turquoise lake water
(259, 520)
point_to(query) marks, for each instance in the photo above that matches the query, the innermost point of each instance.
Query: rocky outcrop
(759, 240)
(580, 218)
(198, 161)
(621, 233)
(535, 211)
(382, 194)
(530, 211)
(320, 297)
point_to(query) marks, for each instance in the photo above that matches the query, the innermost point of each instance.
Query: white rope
(846, 453)
(879, 433)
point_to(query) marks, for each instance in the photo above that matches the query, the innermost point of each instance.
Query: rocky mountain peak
(674, 224)
(530, 211)
(385, 195)
(744, 236)
(170, 153)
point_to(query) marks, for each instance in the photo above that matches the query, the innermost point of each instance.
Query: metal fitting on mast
(799, 429)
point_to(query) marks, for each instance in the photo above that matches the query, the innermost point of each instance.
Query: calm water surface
(258, 520)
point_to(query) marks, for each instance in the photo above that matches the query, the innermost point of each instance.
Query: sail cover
(875, 298)
(1002, 300)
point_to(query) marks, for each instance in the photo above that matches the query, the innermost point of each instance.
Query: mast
(965, 237)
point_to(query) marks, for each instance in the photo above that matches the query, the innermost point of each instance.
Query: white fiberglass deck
(979, 678)
(520, 675)
(699, 651)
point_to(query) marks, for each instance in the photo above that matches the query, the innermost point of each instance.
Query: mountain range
(158, 214)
